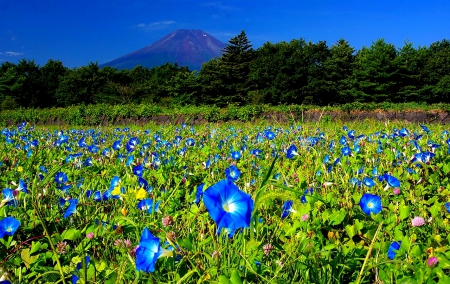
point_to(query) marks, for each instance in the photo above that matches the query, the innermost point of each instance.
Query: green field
(364, 202)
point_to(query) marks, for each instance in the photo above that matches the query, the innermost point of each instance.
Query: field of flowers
(365, 202)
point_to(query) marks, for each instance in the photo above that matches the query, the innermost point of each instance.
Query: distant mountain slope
(189, 48)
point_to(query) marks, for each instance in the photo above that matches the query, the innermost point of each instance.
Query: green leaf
(224, 280)
(337, 218)
(235, 277)
(27, 259)
(71, 234)
(35, 246)
(351, 231)
(404, 211)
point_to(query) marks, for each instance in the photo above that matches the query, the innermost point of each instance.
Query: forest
(284, 73)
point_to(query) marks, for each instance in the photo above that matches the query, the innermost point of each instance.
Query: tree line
(295, 72)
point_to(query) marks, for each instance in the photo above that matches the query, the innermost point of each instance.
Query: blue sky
(77, 32)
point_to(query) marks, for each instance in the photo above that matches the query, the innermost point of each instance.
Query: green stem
(51, 245)
(368, 253)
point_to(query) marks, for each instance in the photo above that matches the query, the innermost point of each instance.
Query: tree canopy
(295, 72)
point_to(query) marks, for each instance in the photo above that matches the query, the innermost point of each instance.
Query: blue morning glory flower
(190, 142)
(232, 173)
(60, 178)
(424, 128)
(447, 207)
(393, 248)
(351, 134)
(392, 181)
(346, 151)
(235, 155)
(199, 193)
(228, 206)
(144, 184)
(98, 196)
(368, 182)
(8, 197)
(88, 162)
(22, 186)
(8, 226)
(404, 132)
(116, 145)
(355, 181)
(72, 208)
(129, 160)
(93, 148)
(291, 152)
(138, 170)
(287, 208)
(147, 205)
(370, 203)
(270, 135)
(149, 251)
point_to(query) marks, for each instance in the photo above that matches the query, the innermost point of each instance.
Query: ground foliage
(87, 197)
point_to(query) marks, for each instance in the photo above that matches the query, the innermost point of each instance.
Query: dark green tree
(230, 73)
(51, 73)
(339, 68)
(81, 85)
(436, 73)
(374, 73)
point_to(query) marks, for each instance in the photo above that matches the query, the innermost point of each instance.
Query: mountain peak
(189, 48)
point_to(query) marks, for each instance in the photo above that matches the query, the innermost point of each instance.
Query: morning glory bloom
(147, 205)
(116, 145)
(346, 151)
(228, 206)
(391, 181)
(199, 193)
(270, 135)
(93, 148)
(72, 208)
(22, 186)
(138, 170)
(370, 203)
(287, 208)
(129, 160)
(291, 152)
(424, 128)
(447, 207)
(8, 197)
(190, 142)
(8, 226)
(235, 155)
(232, 173)
(60, 177)
(149, 251)
(393, 248)
(144, 184)
(368, 182)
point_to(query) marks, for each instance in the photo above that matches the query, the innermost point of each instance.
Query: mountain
(189, 48)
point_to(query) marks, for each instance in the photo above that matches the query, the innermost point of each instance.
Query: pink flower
(167, 221)
(418, 221)
(432, 261)
(396, 191)
(267, 248)
(90, 235)
(305, 217)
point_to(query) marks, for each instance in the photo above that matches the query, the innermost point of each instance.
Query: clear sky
(77, 32)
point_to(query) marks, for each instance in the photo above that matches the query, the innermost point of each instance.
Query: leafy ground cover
(107, 114)
(230, 203)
